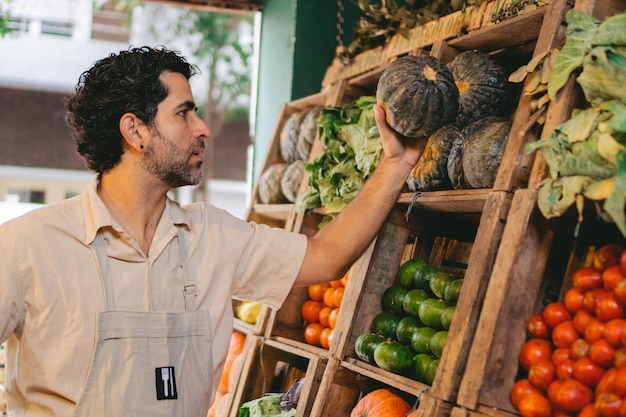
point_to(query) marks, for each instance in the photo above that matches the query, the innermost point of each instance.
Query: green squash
(483, 86)
(431, 171)
(483, 148)
(418, 94)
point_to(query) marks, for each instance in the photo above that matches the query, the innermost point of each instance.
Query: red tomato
(581, 319)
(311, 311)
(588, 372)
(535, 350)
(573, 300)
(572, 395)
(565, 369)
(612, 276)
(555, 313)
(606, 256)
(542, 373)
(620, 357)
(326, 337)
(580, 349)
(589, 411)
(561, 354)
(609, 307)
(620, 382)
(607, 382)
(553, 388)
(336, 283)
(332, 318)
(564, 334)
(622, 409)
(537, 327)
(591, 299)
(521, 388)
(587, 278)
(602, 353)
(608, 404)
(613, 330)
(594, 331)
(620, 290)
(535, 405)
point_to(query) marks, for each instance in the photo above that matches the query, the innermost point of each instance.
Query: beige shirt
(50, 288)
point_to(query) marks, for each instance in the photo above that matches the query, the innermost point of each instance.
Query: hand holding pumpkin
(406, 151)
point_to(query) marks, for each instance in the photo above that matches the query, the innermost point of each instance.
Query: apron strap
(189, 290)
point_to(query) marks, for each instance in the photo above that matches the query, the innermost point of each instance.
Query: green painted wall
(298, 41)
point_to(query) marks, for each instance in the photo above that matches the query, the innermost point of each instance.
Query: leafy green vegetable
(268, 405)
(586, 155)
(584, 33)
(352, 150)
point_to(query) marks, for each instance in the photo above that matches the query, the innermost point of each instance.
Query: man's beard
(171, 163)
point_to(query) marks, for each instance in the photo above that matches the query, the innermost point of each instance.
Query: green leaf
(580, 30)
(611, 32)
(614, 204)
(604, 75)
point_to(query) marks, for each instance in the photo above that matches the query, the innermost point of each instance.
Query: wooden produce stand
(510, 257)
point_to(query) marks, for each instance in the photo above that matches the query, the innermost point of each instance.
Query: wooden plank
(480, 264)
(433, 407)
(452, 201)
(500, 332)
(272, 367)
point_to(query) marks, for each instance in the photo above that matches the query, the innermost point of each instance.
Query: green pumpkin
(418, 94)
(483, 86)
(483, 149)
(431, 171)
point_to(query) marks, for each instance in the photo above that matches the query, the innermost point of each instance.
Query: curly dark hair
(118, 84)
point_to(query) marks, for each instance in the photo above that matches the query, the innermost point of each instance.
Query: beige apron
(149, 363)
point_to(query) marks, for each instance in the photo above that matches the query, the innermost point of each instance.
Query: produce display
(274, 404)
(408, 336)
(574, 360)
(586, 155)
(320, 311)
(351, 151)
(280, 182)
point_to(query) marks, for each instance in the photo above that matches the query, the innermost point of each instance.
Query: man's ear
(132, 131)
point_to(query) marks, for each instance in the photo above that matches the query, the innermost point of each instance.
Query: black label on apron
(165, 382)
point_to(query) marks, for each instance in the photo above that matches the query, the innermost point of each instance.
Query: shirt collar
(96, 215)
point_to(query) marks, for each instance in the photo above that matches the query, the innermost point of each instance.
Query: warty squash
(418, 94)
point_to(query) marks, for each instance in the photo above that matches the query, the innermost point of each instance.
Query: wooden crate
(423, 36)
(343, 385)
(272, 367)
(534, 266)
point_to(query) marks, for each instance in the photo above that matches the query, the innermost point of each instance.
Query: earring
(140, 146)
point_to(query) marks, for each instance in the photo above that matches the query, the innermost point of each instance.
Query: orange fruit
(312, 333)
(332, 318)
(325, 315)
(338, 296)
(326, 337)
(329, 297)
(316, 291)
(311, 311)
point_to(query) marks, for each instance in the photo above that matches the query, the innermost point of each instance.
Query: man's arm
(332, 251)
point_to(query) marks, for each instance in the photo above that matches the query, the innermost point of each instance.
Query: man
(117, 302)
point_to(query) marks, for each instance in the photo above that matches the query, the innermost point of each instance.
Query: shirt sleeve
(11, 302)
(270, 264)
